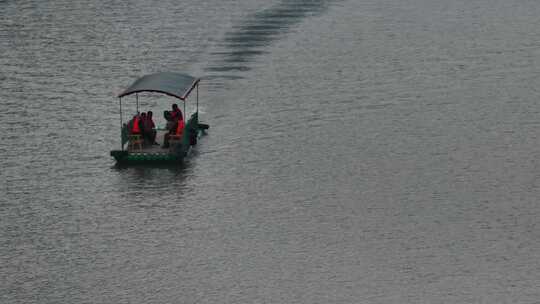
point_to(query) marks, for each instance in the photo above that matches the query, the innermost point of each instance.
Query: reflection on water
(177, 167)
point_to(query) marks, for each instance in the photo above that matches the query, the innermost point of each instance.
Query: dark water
(359, 152)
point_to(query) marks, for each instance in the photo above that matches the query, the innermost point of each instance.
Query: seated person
(149, 129)
(135, 125)
(172, 116)
(168, 118)
(143, 120)
(176, 114)
(177, 131)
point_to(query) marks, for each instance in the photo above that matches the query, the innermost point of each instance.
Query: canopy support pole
(137, 98)
(197, 110)
(121, 144)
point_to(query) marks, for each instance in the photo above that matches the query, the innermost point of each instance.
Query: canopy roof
(174, 84)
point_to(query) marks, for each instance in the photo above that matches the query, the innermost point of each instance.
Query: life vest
(136, 128)
(180, 127)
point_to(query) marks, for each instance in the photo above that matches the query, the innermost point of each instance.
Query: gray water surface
(359, 152)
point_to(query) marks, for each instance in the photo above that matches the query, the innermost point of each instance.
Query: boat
(133, 149)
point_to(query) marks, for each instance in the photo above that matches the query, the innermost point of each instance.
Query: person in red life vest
(176, 114)
(149, 130)
(177, 131)
(172, 117)
(135, 125)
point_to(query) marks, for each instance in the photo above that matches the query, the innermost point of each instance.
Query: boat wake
(256, 32)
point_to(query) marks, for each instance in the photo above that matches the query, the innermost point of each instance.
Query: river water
(374, 151)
